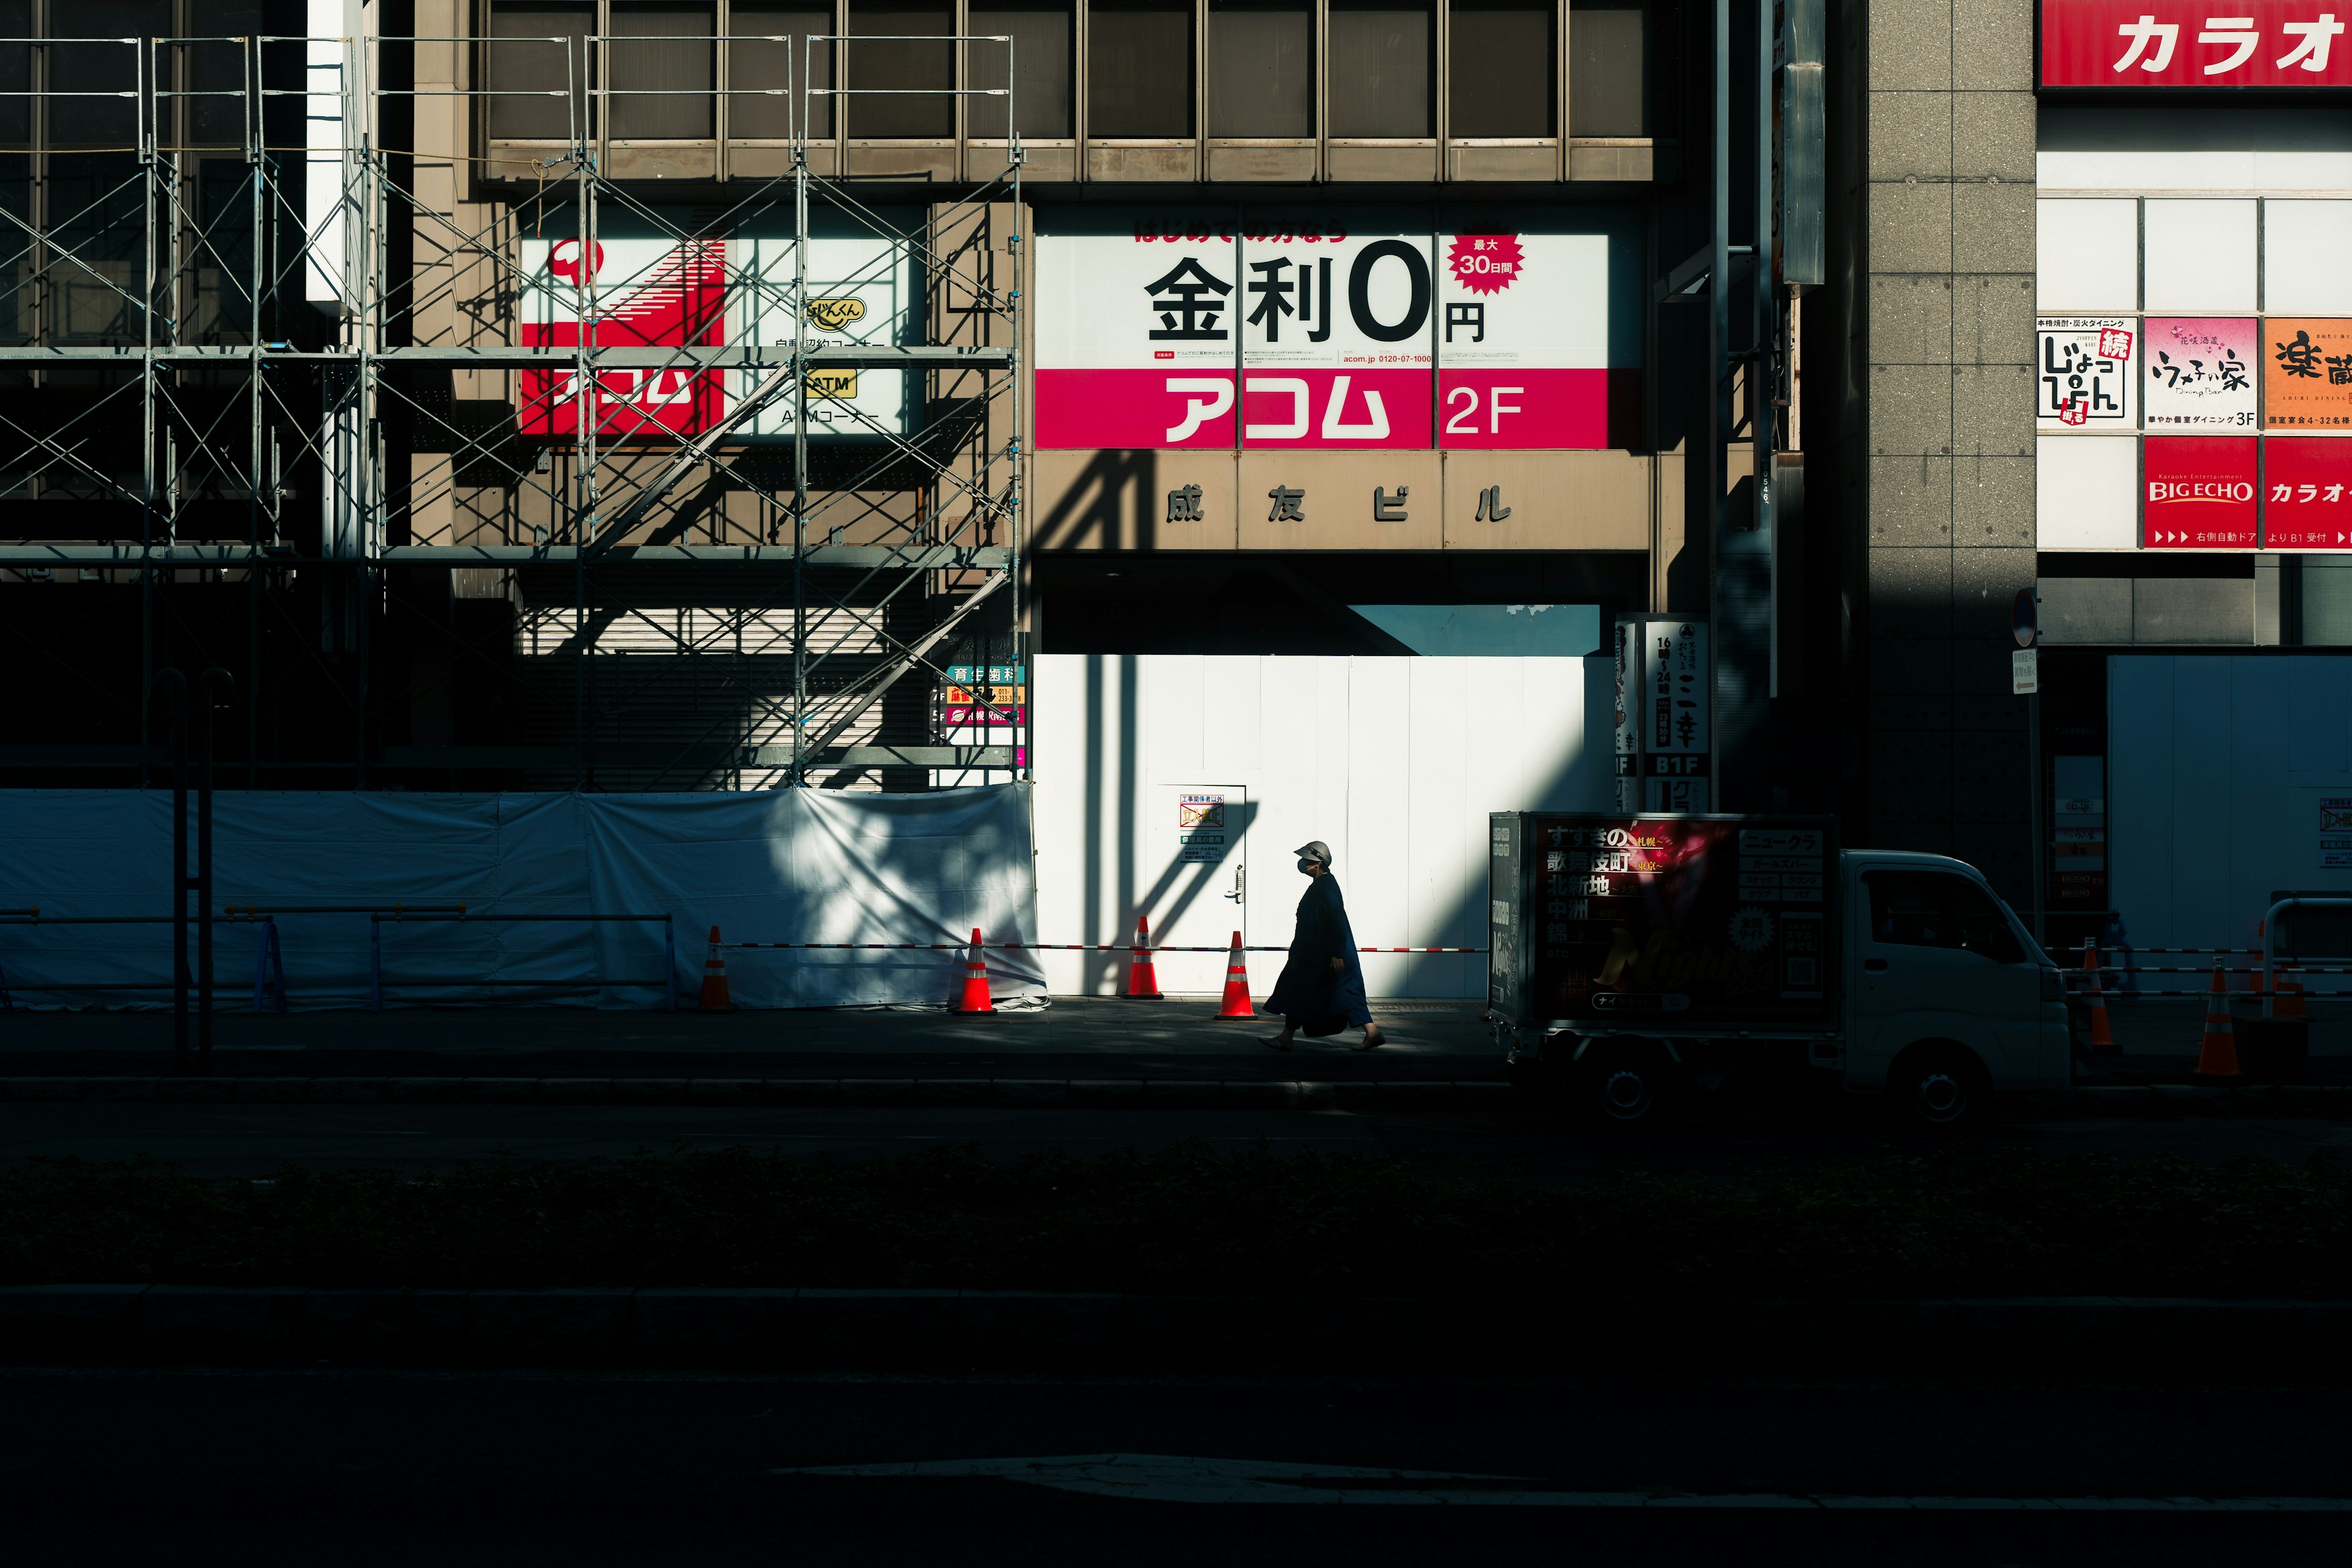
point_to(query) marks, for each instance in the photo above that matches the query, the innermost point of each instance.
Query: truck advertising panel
(1674, 923)
(1336, 328)
(653, 289)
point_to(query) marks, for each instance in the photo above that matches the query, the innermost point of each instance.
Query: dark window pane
(1041, 56)
(522, 62)
(97, 235)
(15, 74)
(1607, 76)
(216, 71)
(664, 66)
(1261, 69)
(1934, 909)
(1499, 69)
(918, 72)
(16, 248)
(1383, 71)
(94, 86)
(1140, 69)
(222, 255)
(758, 64)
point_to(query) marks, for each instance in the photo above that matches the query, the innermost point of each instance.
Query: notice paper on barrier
(786, 865)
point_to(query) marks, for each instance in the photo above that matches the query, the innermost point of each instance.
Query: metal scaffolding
(746, 475)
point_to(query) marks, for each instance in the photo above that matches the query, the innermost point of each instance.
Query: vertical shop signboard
(1627, 710)
(2199, 373)
(1673, 716)
(2087, 372)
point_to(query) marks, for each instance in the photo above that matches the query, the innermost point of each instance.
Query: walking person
(1322, 986)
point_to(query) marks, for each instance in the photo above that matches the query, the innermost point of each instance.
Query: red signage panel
(2198, 492)
(2307, 493)
(2170, 43)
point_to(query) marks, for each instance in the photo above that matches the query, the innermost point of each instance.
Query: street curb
(1137, 1094)
(831, 1330)
(2159, 1102)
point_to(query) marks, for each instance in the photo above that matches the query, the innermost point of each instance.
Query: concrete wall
(1394, 763)
(1948, 285)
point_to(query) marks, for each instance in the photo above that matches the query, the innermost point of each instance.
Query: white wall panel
(2307, 257)
(2216, 764)
(2087, 254)
(1394, 762)
(2199, 255)
(2086, 492)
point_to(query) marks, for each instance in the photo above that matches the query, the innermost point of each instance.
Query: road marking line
(1173, 1478)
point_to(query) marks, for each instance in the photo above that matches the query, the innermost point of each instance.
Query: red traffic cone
(975, 981)
(714, 980)
(2217, 1053)
(2101, 1039)
(1142, 980)
(1237, 996)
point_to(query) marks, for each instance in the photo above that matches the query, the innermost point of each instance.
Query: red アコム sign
(2131, 44)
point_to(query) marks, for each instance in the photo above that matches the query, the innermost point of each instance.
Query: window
(1042, 95)
(1383, 68)
(1140, 69)
(105, 66)
(524, 69)
(755, 65)
(103, 198)
(901, 84)
(1261, 69)
(1936, 908)
(219, 67)
(1608, 78)
(664, 68)
(1499, 69)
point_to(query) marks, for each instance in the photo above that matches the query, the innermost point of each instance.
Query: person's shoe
(1373, 1040)
(1274, 1042)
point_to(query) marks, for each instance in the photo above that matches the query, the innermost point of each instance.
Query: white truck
(1635, 957)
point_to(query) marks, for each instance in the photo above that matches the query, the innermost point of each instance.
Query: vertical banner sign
(1523, 341)
(2307, 379)
(2131, 44)
(1339, 331)
(2201, 372)
(1673, 716)
(2199, 492)
(1627, 710)
(2306, 493)
(1336, 349)
(2089, 366)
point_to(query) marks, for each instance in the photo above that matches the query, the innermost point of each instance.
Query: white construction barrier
(796, 866)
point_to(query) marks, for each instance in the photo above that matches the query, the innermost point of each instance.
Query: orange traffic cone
(1237, 996)
(975, 981)
(2101, 1040)
(2217, 1053)
(1142, 980)
(2287, 1001)
(714, 980)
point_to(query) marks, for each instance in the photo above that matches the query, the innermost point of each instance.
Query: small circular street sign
(2021, 618)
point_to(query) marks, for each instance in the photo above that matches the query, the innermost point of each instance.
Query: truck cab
(1697, 950)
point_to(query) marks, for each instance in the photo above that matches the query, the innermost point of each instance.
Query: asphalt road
(254, 1140)
(357, 1468)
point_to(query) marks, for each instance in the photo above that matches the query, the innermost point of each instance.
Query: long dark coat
(1308, 994)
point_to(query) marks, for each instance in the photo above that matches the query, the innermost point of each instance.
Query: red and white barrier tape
(1050, 947)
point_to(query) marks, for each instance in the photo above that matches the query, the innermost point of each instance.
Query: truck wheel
(1938, 1090)
(1627, 1089)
